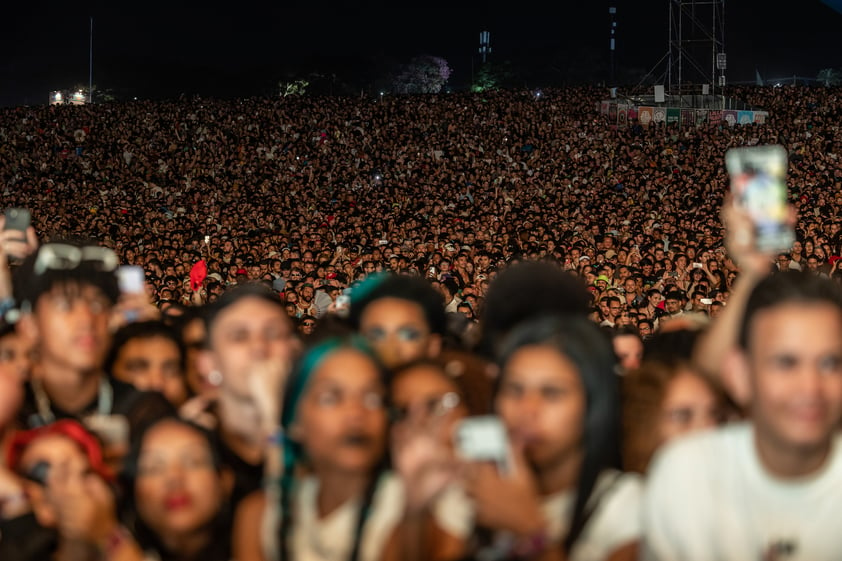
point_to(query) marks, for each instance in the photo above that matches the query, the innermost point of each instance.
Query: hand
(84, 505)
(266, 383)
(740, 239)
(13, 243)
(421, 458)
(506, 502)
(13, 502)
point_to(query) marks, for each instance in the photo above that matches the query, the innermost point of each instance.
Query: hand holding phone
(758, 182)
(483, 439)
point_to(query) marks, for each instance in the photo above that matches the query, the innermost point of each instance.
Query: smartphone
(483, 439)
(698, 266)
(131, 279)
(17, 219)
(39, 472)
(758, 181)
(706, 301)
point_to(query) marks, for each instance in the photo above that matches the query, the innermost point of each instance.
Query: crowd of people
(439, 327)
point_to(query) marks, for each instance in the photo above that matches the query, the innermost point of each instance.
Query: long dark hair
(580, 341)
(219, 548)
(293, 453)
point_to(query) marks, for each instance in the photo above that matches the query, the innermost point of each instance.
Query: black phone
(39, 472)
(17, 219)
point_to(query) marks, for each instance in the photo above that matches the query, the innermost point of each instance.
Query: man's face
(794, 359)
(71, 327)
(672, 306)
(614, 309)
(152, 364)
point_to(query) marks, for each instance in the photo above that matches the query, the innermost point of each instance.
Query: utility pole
(91, 65)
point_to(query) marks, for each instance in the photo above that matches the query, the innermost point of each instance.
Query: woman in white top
(333, 500)
(562, 497)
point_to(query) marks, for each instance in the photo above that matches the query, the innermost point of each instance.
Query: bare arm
(248, 520)
(721, 337)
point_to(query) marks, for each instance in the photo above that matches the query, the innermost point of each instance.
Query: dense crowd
(419, 327)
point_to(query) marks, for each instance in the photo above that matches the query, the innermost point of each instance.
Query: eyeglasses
(432, 407)
(64, 257)
(309, 324)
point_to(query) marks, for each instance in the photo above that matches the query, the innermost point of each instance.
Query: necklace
(45, 415)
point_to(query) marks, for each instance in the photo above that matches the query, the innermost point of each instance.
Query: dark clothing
(247, 477)
(138, 407)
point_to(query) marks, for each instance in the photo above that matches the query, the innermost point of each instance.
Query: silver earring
(214, 377)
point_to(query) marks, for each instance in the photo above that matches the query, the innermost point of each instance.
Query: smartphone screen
(131, 279)
(758, 181)
(17, 219)
(483, 439)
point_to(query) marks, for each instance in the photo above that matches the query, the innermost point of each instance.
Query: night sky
(155, 47)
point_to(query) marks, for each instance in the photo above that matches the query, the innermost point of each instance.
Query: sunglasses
(64, 257)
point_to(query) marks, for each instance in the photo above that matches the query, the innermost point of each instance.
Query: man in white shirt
(769, 488)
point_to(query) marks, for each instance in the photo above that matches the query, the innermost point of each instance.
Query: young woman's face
(178, 490)
(341, 420)
(424, 392)
(398, 331)
(689, 404)
(542, 402)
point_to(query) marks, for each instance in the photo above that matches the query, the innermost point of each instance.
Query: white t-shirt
(708, 497)
(331, 538)
(615, 522)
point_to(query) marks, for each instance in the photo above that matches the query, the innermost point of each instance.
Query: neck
(336, 488)
(186, 546)
(790, 462)
(69, 389)
(563, 475)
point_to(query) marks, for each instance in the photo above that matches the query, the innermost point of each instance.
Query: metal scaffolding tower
(696, 55)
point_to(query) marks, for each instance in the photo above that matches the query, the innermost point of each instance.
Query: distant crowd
(441, 327)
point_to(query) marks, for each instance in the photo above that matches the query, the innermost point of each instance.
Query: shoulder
(699, 452)
(616, 520)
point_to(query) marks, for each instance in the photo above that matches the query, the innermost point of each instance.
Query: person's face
(644, 329)
(152, 364)
(307, 326)
(178, 490)
(629, 351)
(62, 454)
(245, 334)
(398, 331)
(689, 404)
(812, 264)
(542, 402)
(193, 336)
(15, 357)
(794, 360)
(630, 286)
(424, 393)
(614, 308)
(70, 325)
(306, 293)
(672, 306)
(341, 421)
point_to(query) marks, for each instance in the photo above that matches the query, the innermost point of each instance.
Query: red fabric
(67, 427)
(198, 274)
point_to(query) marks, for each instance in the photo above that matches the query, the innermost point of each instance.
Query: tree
(423, 74)
(830, 76)
(296, 87)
